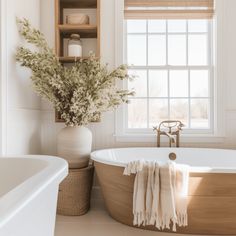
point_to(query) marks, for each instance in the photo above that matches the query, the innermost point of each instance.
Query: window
(172, 60)
(169, 45)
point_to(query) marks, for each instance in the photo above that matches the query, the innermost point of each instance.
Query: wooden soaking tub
(212, 186)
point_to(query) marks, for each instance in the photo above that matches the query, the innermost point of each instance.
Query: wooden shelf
(71, 59)
(58, 118)
(79, 4)
(85, 31)
(77, 27)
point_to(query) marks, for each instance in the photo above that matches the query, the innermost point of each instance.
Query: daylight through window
(172, 60)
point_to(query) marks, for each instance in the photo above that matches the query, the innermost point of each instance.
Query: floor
(97, 222)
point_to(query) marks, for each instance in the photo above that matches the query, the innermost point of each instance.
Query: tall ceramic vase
(74, 144)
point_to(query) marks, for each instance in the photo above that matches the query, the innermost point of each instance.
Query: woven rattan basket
(75, 191)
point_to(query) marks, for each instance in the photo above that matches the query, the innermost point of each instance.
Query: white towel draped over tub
(160, 193)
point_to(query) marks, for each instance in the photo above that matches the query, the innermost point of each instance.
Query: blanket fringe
(182, 219)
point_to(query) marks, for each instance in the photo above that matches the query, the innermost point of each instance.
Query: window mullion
(168, 71)
(189, 80)
(125, 51)
(147, 73)
(210, 76)
(169, 67)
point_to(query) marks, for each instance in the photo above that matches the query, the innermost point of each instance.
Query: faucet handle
(181, 125)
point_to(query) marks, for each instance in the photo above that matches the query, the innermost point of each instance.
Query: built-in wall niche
(89, 33)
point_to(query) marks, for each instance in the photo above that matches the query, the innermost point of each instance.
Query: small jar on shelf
(74, 46)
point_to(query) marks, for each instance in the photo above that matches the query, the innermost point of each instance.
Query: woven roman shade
(169, 9)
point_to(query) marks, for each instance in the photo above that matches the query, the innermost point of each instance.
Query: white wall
(23, 116)
(103, 132)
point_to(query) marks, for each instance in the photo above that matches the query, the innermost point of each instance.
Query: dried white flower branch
(80, 93)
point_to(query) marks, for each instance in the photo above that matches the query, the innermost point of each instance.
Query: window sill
(184, 138)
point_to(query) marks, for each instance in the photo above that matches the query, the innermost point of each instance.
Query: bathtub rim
(17, 198)
(195, 169)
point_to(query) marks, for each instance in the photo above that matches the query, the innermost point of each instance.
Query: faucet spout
(171, 137)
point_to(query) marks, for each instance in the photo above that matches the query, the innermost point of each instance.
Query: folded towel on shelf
(160, 193)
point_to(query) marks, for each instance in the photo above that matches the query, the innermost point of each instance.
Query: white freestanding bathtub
(28, 194)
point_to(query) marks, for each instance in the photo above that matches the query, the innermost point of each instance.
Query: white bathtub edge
(196, 169)
(15, 200)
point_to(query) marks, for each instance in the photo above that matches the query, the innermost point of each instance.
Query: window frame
(216, 131)
(3, 77)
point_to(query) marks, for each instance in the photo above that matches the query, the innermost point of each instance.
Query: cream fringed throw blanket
(160, 194)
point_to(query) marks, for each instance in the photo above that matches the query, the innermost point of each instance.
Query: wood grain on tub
(211, 201)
